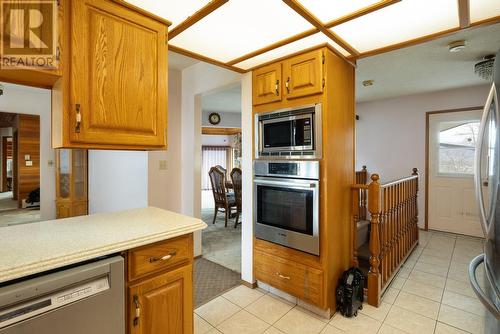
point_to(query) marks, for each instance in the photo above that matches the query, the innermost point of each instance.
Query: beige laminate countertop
(36, 247)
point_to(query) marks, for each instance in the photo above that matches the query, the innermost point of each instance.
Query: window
(213, 156)
(457, 145)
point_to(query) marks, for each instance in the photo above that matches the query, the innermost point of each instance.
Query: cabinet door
(267, 84)
(163, 304)
(304, 75)
(118, 76)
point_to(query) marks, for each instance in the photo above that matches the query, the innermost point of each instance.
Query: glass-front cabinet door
(71, 180)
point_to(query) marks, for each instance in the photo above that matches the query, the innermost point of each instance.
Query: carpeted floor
(221, 244)
(211, 280)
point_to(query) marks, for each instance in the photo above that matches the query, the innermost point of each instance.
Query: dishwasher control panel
(53, 301)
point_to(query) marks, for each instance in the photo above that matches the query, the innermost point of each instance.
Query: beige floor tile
(432, 269)
(423, 290)
(200, 325)
(398, 282)
(378, 313)
(273, 330)
(460, 319)
(390, 295)
(217, 310)
(409, 321)
(331, 330)
(361, 324)
(426, 278)
(445, 254)
(298, 322)
(404, 272)
(242, 295)
(460, 287)
(213, 331)
(386, 329)
(434, 260)
(243, 323)
(420, 305)
(464, 303)
(447, 329)
(269, 308)
(462, 258)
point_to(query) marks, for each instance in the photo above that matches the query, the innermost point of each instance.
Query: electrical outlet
(163, 164)
(29, 163)
(50, 163)
(27, 157)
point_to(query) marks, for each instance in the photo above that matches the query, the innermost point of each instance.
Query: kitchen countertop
(36, 247)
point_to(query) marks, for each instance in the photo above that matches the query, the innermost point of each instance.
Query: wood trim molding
(360, 12)
(200, 14)
(311, 18)
(464, 13)
(427, 116)
(204, 58)
(248, 284)
(212, 130)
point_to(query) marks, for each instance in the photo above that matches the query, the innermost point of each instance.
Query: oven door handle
(304, 185)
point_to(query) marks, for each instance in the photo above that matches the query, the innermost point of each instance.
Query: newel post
(374, 278)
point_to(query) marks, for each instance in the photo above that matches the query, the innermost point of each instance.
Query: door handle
(287, 85)
(283, 276)
(137, 306)
(162, 258)
(477, 289)
(277, 87)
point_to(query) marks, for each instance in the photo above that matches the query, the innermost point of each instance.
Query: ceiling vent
(484, 68)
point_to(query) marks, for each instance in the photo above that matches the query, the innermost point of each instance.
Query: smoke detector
(484, 68)
(456, 46)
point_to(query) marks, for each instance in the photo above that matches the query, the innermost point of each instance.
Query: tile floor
(430, 294)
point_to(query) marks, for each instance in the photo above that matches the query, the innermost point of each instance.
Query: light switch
(163, 164)
(50, 163)
(29, 163)
(27, 157)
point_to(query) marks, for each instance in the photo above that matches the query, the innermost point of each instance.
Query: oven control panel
(277, 168)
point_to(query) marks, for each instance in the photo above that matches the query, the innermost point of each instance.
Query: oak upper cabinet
(163, 304)
(114, 89)
(298, 76)
(267, 84)
(303, 74)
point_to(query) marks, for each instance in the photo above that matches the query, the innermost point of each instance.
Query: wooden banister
(374, 280)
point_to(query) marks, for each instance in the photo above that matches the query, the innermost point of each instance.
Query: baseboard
(248, 284)
(198, 257)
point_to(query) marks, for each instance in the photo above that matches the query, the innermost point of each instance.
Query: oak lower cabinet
(160, 287)
(113, 92)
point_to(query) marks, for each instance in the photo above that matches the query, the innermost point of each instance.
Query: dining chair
(236, 180)
(222, 199)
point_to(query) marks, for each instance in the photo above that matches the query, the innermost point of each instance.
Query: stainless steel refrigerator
(487, 176)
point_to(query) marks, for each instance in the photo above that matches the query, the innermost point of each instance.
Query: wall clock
(214, 118)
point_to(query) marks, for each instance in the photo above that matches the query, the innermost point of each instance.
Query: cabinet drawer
(159, 256)
(301, 281)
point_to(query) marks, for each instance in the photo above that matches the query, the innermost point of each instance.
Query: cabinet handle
(287, 85)
(137, 310)
(78, 118)
(277, 88)
(283, 277)
(162, 258)
(58, 53)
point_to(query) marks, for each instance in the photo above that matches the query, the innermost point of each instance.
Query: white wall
(390, 134)
(36, 101)
(216, 140)
(198, 79)
(118, 180)
(164, 185)
(227, 119)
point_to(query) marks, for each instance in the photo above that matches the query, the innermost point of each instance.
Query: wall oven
(293, 133)
(286, 203)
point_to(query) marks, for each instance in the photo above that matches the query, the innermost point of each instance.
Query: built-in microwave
(293, 133)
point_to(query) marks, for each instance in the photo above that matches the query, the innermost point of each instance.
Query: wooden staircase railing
(393, 228)
(362, 178)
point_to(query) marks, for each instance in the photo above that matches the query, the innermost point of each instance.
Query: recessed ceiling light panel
(484, 9)
(398, 23)
(327, 10)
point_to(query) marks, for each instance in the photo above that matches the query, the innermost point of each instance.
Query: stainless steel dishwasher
(85, 299)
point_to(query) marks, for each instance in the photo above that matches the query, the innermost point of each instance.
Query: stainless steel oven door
(292, 133)
(286, 212)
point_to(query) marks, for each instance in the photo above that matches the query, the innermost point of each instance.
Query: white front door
(452, 202)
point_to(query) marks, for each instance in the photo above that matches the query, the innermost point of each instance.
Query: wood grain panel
(267, 84)
(215, 130)
(28, 142)
(303, 74)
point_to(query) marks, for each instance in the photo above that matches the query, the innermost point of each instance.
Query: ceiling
(243, 34)
(227, 100)
(179, 62)
(426, 67)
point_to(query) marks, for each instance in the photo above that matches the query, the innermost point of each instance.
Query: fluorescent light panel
(483, 9)
(327, 10)
(240, 27)
(173, 10)
(302, 44)
(399, 22)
